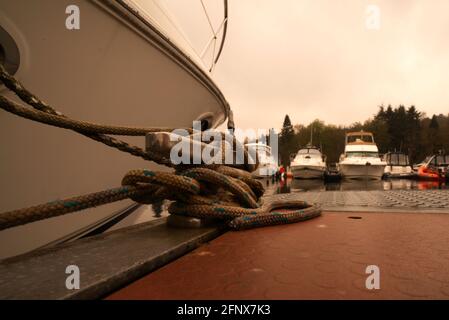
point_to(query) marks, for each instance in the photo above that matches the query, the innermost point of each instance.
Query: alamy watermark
(372, 18)
(72, 22)
(373, 280)
(214, 147)
(72, 282)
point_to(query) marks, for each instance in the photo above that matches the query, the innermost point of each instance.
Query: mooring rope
(206, 192)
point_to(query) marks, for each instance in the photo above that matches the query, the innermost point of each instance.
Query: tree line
(395, 129)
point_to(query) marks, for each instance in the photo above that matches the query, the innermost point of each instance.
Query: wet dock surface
(323, 258)
(375, 200)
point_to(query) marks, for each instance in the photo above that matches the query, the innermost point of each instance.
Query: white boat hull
(307, 172)
(398, 171)
(362, 171)
(116, 69)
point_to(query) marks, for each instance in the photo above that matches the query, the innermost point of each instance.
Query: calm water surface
(297, 185)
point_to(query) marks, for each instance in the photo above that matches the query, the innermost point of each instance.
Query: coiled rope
(206, 191)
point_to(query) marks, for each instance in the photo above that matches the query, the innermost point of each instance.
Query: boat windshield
(360, 138)
(397, 159)
(309, 152)
(363, 154)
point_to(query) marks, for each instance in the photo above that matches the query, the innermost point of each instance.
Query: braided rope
(189, 195)
(242, 218)
(59, 207)
(213, 191)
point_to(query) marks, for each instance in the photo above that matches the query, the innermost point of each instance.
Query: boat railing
(215, 32)
(215, 41)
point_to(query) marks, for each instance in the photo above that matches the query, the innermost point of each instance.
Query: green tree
(394, 128)
(286, 141)
(413, 143)
(434, 143)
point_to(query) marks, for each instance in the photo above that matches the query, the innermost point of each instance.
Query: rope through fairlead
(214, 191)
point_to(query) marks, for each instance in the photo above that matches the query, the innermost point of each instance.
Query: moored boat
(398, 165)
(126, 63)
(434, 168)
(332, 173)
(360, 159)
(309, 163)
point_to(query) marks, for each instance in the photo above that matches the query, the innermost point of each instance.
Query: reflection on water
(296, 185)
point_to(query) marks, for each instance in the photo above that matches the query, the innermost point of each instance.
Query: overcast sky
(324, 58)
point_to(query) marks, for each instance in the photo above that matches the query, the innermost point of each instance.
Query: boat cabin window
(360, 138)
(309, 152)
(363, 154)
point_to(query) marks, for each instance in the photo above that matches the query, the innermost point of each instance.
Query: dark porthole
(9, 52)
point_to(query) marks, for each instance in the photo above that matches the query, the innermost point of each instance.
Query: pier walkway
(376, 200)
(323, 258)
(403, 232)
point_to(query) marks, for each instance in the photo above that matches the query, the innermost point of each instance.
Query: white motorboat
(360, 159)
(267, 164)
(309, 163)
(128, 63)
(398, 165)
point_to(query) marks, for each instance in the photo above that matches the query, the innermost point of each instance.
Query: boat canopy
(397, 159)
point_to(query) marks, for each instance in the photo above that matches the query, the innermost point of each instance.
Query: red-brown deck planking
(323, 258)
